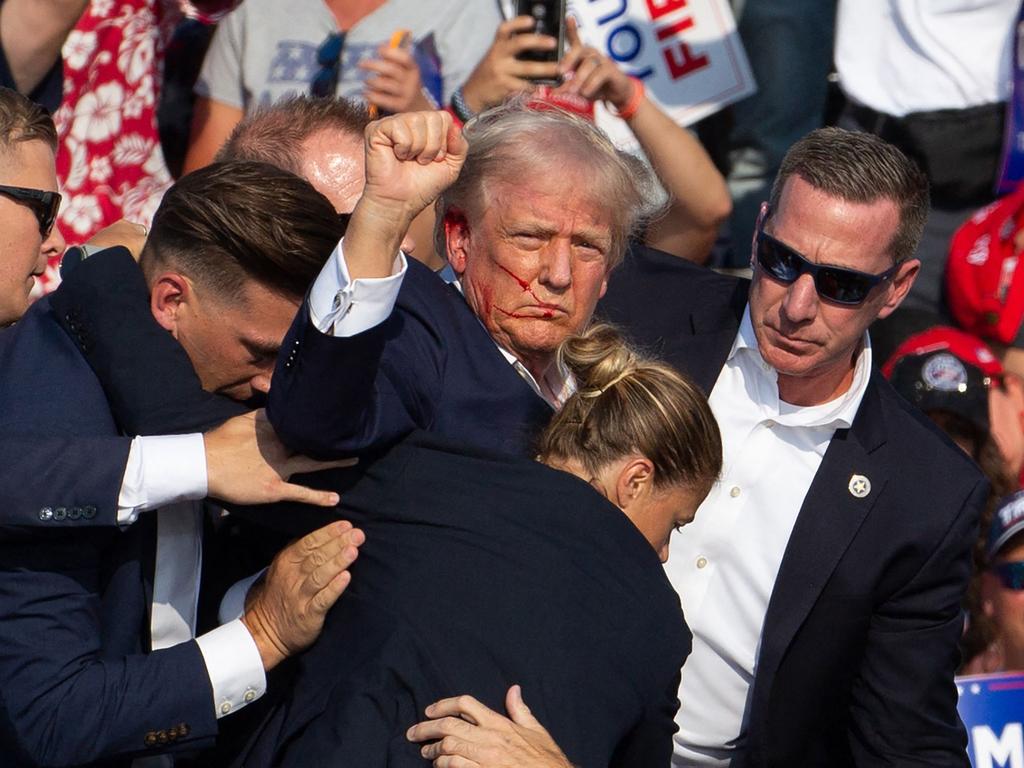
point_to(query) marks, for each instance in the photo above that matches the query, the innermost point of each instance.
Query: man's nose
(53, 244)
(261, 381)
(556, 265)
(801, 302)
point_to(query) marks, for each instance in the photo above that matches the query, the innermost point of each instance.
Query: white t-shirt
(265, 50)
(902, 56)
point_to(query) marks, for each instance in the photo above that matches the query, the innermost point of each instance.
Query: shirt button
(734, 491)
(225, 707)
(769, 423)
(702, 562)
(250, 694)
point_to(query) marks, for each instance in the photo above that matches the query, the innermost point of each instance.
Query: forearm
(32, 33)
(698, 199)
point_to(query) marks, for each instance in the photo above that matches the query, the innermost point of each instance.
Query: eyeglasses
(1010, 575)
(328, 56)
(43, 204)
(836, 284)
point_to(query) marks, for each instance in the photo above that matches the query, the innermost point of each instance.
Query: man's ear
(901, 283)
(456, 239)
(636, 479)
(170, 297)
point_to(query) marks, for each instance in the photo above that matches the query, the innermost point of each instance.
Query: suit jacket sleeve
(904, 701)
(341, 396)
(60, 483)
(650, 742)
(146, 375)
(66, 702)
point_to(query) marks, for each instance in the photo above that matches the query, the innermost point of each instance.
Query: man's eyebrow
(260, 348)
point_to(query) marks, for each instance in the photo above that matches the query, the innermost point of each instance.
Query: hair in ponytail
(626, 403)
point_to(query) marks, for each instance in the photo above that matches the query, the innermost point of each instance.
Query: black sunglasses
(836, 284)
(43, 204)
(1010, 575)
(328, 56)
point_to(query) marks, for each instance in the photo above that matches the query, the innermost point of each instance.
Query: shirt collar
(838, 413)
(558, 378)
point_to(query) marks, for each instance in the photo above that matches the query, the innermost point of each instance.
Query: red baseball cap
(984, 287)
(943, 369)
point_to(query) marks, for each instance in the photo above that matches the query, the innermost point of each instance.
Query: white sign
(687, 53)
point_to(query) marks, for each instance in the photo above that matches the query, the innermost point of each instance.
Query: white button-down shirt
(724, 564)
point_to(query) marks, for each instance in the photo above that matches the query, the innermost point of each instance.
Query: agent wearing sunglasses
(28, 207)
(1002, 590)
(822, 577)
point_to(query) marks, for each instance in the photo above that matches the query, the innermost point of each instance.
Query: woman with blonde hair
(482, 570)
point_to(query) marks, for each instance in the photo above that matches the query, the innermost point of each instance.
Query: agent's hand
(246, 463)
(395, 85)
(591, 74)
(123, 232)
(467, 734)
(500, 74)
(284, 611)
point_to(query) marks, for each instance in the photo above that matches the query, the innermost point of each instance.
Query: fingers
(304, 495)
(509, 29)
(325, 599)
(572, 32)
(455, 761)
(467, 708)
(419, 136)
(517, 709)
(321, 536)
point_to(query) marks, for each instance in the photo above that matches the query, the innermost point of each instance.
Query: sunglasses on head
(43, 204)
(836, 284)
(1010, 575)
(328, 56)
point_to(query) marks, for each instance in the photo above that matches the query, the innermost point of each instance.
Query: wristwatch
(74, 256)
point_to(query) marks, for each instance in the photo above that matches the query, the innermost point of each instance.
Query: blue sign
(992, 708)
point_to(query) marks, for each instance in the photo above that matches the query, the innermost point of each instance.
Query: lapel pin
(859, 486)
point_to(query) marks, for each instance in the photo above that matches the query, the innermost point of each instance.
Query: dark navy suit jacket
(479, 571)
(431, 365)
(74, 603)
(858, 649)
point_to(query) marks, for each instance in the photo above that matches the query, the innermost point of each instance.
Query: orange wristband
(634, 101)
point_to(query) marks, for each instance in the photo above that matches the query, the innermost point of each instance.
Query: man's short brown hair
(275, 134)
(860, 168)
(231, 222)
(22, 120)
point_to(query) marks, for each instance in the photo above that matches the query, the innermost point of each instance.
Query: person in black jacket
(482, 570)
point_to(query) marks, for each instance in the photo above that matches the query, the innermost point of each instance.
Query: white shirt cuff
(161, 470)
(234, 666)
(341, 306)
(232, 605)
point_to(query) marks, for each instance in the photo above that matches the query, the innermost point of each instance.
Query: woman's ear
(635, 481)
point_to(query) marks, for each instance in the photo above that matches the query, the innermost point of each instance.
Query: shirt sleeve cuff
(161, 470)
(232, 605)
(341, 306)
(234, 666)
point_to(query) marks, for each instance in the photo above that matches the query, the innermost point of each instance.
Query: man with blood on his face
(540, 213)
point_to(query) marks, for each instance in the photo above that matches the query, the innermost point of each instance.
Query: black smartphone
(549, 19)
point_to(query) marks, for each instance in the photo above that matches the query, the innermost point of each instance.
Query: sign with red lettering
(687, 53)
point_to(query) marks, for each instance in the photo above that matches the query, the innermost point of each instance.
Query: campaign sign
(687, 52)
(992, 708)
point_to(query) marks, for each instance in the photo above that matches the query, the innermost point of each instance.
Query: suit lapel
(828, 520)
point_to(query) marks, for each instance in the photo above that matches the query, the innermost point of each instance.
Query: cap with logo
(1007, 522)
(984, 287)
(944, 369)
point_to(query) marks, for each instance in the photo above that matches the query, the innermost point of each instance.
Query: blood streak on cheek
(526, 288)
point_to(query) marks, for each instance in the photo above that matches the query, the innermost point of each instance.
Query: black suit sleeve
(60, 483)
(650, 741)
(65, 701)
(146, 375)
(339, 396)
(903, 710)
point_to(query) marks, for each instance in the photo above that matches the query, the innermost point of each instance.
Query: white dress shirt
(902, 56)
(724, 563)
(340, 306)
